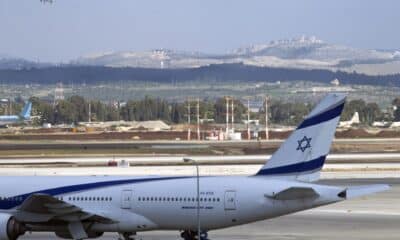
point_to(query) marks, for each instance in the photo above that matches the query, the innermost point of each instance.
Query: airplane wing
(293, 193)
(43, 208)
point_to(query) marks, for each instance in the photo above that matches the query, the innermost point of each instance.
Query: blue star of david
(304, 143)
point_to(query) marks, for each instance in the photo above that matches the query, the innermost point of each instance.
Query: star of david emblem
(304, 143)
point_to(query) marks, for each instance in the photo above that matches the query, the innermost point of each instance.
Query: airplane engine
(10, 228)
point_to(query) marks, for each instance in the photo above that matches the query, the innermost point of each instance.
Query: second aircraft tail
(26, 111)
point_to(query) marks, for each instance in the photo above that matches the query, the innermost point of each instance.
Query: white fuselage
(150, 203)
(10, 119)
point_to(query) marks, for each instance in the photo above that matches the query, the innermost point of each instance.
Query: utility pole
(266, 118)
(194, 162)
(188, 108)
(198, 119)
(227, 115)
(233, 114)
(90, 112)
(248, 118)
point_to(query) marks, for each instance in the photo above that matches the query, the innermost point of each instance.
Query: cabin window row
(177, 199)
(11, 198)
(105, 199)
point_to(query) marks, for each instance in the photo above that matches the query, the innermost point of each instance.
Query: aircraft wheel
(126, 236)
(203, 236)
(188, 235)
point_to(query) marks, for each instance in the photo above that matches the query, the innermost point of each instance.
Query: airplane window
(168, 199)
(148, 198)
(176, 199)
(85, 198)
(151, 199)
(98, 198)
(73, 199)
(209, 199)
(110, 198)
(180, 199)
(163, 198)
(102, 199)
(213, 199)
(160, 199)
(217, 199)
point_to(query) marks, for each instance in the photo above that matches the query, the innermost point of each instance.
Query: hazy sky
(67, 29)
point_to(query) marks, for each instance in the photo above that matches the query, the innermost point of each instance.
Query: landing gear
(126, 236)
(192, 235)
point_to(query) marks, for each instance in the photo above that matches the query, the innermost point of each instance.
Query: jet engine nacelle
(10, 228)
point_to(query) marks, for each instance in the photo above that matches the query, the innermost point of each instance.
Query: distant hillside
(19, 63)
(299, 53)
(303, 52)
(206, 74)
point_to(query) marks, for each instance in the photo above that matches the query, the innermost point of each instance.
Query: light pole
(189, 160)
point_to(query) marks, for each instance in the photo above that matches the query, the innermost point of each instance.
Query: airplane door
(126, 198)
(230, 200)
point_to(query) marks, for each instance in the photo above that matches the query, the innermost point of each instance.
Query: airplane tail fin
(303, 154)
(26, 111)
(355, 119)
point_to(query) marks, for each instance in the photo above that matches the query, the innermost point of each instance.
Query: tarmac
(177, 159)
(371, 217)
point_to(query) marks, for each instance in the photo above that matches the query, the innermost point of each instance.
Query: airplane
(81, 207)
(355, 119)
(25, 115)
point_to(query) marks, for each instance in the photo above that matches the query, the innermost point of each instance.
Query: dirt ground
(68, 134)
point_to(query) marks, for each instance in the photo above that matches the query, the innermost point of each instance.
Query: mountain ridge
(303, 53)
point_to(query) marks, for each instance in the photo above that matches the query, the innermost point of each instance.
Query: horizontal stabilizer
(293, 193)
(358, 191)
